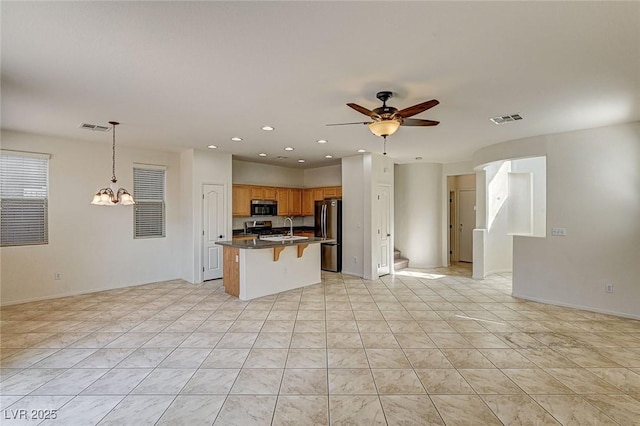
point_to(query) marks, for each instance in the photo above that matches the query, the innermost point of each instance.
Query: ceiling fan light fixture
(384, 127)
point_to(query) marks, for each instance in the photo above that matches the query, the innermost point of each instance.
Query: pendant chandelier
(113, 195)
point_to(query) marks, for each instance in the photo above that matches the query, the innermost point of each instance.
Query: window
(24, 179)
(148, 193)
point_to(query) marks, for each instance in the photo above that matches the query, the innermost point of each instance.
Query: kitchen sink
(284, 238)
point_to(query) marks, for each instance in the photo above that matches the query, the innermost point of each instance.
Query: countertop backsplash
(278, 221)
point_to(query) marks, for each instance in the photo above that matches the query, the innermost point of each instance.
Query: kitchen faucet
(291, 227)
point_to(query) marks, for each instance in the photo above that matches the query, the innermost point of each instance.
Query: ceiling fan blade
(418, 122)
(361, 109)
(417, 109)
(346, 124)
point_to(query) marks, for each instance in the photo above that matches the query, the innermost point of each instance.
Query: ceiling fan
(386, 119)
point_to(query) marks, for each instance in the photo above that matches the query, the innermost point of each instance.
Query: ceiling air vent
(506, 118)
(94, 127)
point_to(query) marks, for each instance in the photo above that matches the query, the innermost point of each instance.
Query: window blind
(149, 210)
(23, 198)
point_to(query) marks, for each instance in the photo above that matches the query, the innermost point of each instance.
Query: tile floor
(424, 347)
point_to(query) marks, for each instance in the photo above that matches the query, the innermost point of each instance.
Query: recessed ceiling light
(301, 161)
(288, 148)
(362, 150)
(236, 139)
(212, 146)
(322, 141)
(262, 154)
(328, 156)
(268, 128)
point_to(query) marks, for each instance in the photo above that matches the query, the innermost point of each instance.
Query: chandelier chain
(113, 157)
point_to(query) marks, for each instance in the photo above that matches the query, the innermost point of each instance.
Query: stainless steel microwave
(264, 208)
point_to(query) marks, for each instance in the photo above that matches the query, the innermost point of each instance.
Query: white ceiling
(188, 74)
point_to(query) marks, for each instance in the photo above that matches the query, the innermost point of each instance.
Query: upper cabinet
(291, 201)
(270, 193)
(307, 202)
(282, 195)
(263, 193)
(257, 193)
(295, 202)
(241, 201)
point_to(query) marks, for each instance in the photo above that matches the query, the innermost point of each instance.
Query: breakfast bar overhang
(256, 268)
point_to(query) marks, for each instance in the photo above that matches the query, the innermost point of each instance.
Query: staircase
(399, 262)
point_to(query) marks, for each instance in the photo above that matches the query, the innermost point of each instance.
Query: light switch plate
(559, 232)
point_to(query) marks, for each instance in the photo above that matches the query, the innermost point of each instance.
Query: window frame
(140, 202)
(44, 225)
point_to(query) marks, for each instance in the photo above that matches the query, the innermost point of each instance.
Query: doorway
(461, 217)
(214, 225)
(384, 229)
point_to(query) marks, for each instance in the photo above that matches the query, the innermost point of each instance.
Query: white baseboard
(574, 306)
(77, 293)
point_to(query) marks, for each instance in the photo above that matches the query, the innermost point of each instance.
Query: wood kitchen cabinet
(330, 192)
(282, 195)
(241, 200)
(295, 202)
(291, 201)
(308, 203)
(269, 193)
(244, 237)
(257, 193)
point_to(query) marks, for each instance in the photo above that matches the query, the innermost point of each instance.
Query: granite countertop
(262, 244)
(284, 230)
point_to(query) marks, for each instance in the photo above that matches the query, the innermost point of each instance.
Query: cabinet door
(241, 200)
(330, 192)
(295, 202)
(318, 194)
(283, 201)
(257, 193)
(307, 202)
(269, 194)
(247, 237)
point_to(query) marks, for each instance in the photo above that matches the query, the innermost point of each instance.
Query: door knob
(220, 236)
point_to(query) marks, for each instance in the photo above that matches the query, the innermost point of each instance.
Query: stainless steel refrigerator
(328, 224)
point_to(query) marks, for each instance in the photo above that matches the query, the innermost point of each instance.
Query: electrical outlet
(608, 288)
(559, 232)
(355, 259)
(57, 276)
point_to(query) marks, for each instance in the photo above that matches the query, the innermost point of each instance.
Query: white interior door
(213, 219)
(466, 224)
(384, 230)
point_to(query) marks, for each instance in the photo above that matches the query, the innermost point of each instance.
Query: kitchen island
(260, 267)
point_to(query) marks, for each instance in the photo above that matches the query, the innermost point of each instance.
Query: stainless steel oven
(264, 208)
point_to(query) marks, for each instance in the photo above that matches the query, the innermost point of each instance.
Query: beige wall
(92, 247)
(593, 187)
(417, 213)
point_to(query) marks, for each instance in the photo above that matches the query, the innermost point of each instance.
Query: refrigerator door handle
(324, 207)
(322, 220)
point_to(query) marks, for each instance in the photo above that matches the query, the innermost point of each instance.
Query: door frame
(390, 226)
(452, 221)
(456, 227)
(225, 209)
